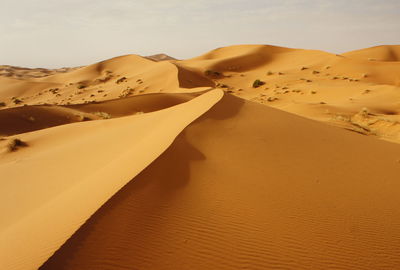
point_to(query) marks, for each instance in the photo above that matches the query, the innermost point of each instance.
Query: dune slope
(66, 173)
(343, 90)
(358, 90)
(30, 118)
(118, 77)
(250, 187)
(387, 53)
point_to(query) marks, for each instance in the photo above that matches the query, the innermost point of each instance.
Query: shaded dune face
(332, 88)
(247, 186)
(30, 118)
(86, 164)
(189, 79)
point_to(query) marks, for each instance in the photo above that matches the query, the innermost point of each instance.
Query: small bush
(16, 100)
(54, 90)
(272, 99)
(258, 83)
(120, 80)
(15, 144)
(2, 104)
(103, 115)
(81, 86)
(366, 91)
(212, 73)
(127, 92)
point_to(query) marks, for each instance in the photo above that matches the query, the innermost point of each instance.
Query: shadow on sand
(129, 223)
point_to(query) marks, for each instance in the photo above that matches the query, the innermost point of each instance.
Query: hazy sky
(56, 33)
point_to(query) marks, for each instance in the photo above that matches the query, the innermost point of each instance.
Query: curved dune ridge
(73, 179)
(214, 162)
(344, 90)
(250, 187)
(358, 90)
(30, 118)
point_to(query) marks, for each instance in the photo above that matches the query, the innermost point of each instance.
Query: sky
(62, 33)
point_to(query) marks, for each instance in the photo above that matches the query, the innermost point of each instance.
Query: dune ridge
(30, 118)
(345, 90)
(58, 203)
(245, 157)
(332, 88)
(247, 186)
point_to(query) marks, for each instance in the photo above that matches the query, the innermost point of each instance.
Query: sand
(331, 88)
(70, 183)
(133, 163)
(247, 186)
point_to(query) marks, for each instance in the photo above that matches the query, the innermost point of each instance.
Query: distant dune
(25, 73)
(388, 53)
(160, 57)
(349, 90)
(246, 157)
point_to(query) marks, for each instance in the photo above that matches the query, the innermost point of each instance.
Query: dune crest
(331, 88)
(183, 177)
(247, 186)
(75, 181)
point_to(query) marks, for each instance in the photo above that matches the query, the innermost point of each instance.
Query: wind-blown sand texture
(61, 198)
(132, 163)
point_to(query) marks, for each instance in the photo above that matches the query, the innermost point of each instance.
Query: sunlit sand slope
(250, 187)
(48, 189)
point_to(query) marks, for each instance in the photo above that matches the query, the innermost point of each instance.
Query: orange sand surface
(145, 163)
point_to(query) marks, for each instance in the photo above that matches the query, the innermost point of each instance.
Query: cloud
(39, 32)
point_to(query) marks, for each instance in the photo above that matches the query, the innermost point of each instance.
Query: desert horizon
(248, 156)
(229, 135)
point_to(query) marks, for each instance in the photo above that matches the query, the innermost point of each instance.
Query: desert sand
(246, 157)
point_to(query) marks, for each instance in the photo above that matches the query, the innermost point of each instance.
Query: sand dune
(379, 53)
(114, 78)
(24, 73)
(107, 166)
(335, 89)
(30, 118)
(314, 84)
(160, 57)
(247, 186)
(69, 183)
